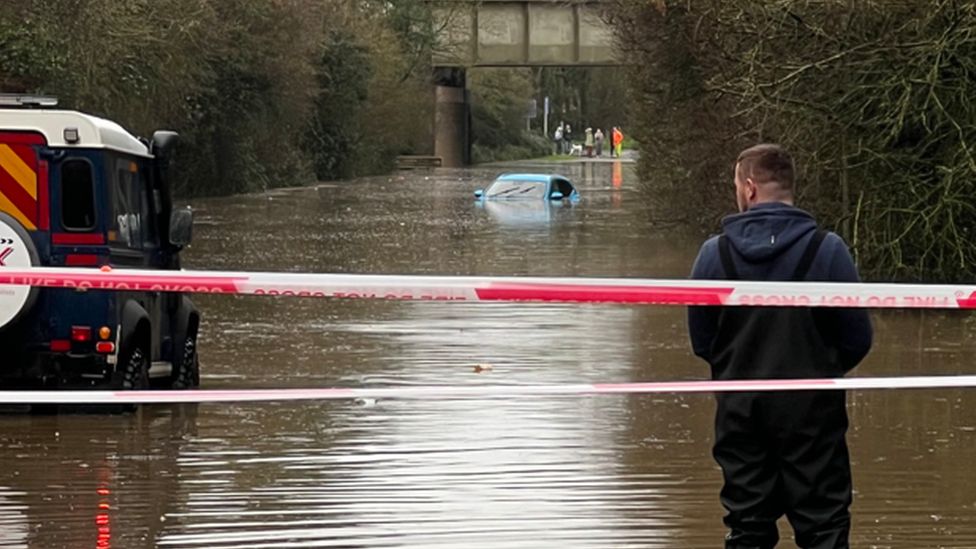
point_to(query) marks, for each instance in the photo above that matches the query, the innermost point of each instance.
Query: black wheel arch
(136, 328)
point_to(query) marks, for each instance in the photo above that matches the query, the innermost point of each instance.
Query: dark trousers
(784, 454)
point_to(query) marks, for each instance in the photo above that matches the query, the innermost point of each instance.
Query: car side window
(127, 206)
(77, 195)
(564, 187)
(149, 236)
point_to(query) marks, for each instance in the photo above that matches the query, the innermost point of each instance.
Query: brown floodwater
(594, 472)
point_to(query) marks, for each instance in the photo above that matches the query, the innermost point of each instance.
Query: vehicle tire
(133, 373)
(17, 251)
(187, 372)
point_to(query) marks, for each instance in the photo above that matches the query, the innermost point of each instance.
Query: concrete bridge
(506, 33)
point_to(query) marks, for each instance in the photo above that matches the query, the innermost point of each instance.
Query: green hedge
(874, 98)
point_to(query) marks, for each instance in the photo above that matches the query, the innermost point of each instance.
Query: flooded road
(599, 472)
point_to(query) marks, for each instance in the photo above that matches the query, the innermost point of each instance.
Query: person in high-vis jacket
(780, 452)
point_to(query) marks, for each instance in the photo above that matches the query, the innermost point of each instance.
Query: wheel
(187, 372)
(133, 372)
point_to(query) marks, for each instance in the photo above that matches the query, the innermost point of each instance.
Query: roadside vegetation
(877, 101)
(271, 93)
(265, 94)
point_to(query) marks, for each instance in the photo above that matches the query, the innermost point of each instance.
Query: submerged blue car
(529, 186)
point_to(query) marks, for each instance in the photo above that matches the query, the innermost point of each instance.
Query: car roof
(528, 177)
(93, 132)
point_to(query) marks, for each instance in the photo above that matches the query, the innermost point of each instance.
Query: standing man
(780, 452)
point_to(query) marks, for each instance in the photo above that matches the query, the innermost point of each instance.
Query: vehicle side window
(127, 205)
(77, 196)
(148, 227)
(149, 236)
(564, 187)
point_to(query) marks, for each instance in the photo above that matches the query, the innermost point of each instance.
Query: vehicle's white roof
(93, 132)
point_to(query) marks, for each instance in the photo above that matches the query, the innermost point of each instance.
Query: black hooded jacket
(767, 243)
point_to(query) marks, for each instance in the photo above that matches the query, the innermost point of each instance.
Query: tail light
(80, 334)
(60, 345)
(105, 347)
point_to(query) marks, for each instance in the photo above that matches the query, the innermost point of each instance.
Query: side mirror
(181, 227)
(479, 193)
(162, 142)
(556, 195)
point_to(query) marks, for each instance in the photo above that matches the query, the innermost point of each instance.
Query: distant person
(588, 142)
(598, 141)
(568, 138)
(558, 139)
(780, 452)
(618, 141)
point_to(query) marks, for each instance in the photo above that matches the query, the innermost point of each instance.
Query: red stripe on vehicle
(78, 239)
(22, 138)
(26, 154)
(43, 201)
(597, 294)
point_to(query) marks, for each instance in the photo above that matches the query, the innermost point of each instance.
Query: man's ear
(751, 188)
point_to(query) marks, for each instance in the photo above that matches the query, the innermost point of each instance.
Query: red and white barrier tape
(454, 288)
(456, 392)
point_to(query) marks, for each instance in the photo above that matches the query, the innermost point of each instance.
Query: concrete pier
(452, 117)
(506, 33)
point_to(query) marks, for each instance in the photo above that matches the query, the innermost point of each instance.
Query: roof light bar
(23, 100)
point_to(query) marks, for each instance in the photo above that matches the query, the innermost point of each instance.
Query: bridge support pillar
(452, 117)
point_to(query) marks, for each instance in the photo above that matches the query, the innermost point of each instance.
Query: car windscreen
(516, 189)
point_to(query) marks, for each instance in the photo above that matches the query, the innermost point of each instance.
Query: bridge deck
(496, 33)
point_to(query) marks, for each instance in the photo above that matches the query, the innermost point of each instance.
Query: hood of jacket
(766, 230)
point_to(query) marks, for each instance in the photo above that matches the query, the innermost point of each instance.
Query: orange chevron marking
(8, 207)
(18, 169)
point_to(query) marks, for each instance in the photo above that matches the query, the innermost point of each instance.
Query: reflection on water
(594, 472)
(90, 481)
